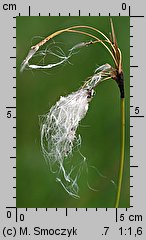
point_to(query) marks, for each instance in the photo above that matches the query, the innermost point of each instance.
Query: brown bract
(117, 73)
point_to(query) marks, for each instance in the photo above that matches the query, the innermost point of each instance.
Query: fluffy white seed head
(58, 134)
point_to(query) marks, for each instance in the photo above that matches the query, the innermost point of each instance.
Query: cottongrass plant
(58, 131)
(59, 125)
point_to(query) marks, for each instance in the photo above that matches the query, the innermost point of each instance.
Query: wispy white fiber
(59, 137)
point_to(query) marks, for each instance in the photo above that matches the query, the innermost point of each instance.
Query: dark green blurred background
(38, 90)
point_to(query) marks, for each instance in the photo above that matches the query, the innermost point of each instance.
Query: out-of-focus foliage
(38, 90)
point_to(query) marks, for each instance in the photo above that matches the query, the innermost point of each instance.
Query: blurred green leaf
(38, 90)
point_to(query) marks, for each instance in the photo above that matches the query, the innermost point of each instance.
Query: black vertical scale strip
(116, 215)
(129, 11)
(66, 212)
(29, 11)
(16, 215)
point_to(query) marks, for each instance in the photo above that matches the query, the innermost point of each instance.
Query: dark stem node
(119, 77)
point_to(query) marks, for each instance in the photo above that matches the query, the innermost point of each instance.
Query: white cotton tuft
(58, 135)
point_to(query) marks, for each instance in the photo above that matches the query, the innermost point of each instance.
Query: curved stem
(71, 29)
(98, 40)
(121, 167)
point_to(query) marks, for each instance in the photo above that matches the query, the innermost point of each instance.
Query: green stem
(121, 167)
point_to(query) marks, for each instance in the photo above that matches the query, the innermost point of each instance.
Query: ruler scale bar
(120, 217)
